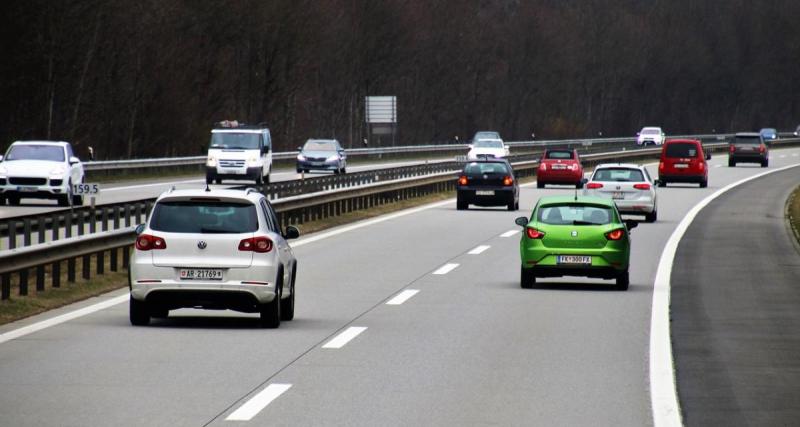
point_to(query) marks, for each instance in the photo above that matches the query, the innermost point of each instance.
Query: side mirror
(630, 224)
(299, 148)
(637, 134)
(656, 182)
(291, 233)
(584, 181)
(74, 160)
(91, 153)
(521, 221)
(139, 229)
(264, 150)
(1, 157)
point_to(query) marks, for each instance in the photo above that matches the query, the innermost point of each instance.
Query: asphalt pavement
(469, 348)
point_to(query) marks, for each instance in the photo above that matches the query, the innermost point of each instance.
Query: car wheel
(76, 199)
(287, 304)
(64, 200)
(512, 206)
(260, 177)
(218, 180)
(539, 184)
(526, 278)
(579, 185)
(623, 280)
(159, 313)
(299, 170)
(271, 311)
(461, 205)
(662, 183)
(138, 313)
(209, 180)
(651, 217)
(344, 170)
(765, 163)
(704, 183)
(336, 172)
(731, 163)
(2, 201)
(266, 179)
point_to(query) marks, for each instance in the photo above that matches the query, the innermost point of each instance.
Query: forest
(148, 78)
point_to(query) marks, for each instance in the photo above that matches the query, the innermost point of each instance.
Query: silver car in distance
(629, 185)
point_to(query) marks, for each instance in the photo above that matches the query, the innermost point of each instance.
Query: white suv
(213, 249)
(40, 170)
(650, 135)
(239, 151)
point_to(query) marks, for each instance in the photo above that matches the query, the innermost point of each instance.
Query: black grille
(2, 181)
(27, 181)
(56, 182)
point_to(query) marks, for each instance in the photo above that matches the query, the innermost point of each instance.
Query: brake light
(145, 242)
(700, 165)
(574, 166)
(507, 180)
(462, 180)
(260, 244)
(761, 149)
(661, 166)
(543, 166)
(617, 234)
(594, 185)
(533, 233)
(733, 148)
(641, 186)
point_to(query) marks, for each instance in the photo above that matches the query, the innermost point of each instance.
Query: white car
(650, 136)
(213, 249)
(239, 151)
(629, 185)
(40, 170)
(487, 147)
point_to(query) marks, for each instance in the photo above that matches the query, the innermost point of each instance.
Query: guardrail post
(81, 221)
(104, 219)
(55, 272)
(113, 259)
(116, 214)
(55, 224)
(42, 226)
(12, 234)
(101, 262)
(23, 282)
(5, 286)
(68, 225)
(26, 231)
(92, 220)
(40, 278)
(71, 270)
(125, 257)
(128, 209)
(87, 260)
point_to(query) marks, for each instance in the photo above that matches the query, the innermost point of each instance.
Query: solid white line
(783, 156)
(509, 233)
(340, 340)
(162, 184)
(38, 326)
(794, 155)
(445, 269)
(479, 249)
(717, 166)
(663, 394)
(402, 297)
(252, 407)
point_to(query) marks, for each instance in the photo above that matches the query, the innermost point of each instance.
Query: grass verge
(793, 213)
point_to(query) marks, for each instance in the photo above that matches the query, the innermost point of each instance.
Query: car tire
(651, 217)
(2, 201)
(731, 163)
(139, 314)
(266, 178)
(287, 304)
(539, 184)
(662, 183)
(209, 180)
(271, 311)
(461, 205)
(344, 170)
(526, 278)
(704, 183)
(260, 177)
(63, 200)
(579, 185)
(623, 281)
(218, 180)
(336, 171)
(765, 163)
(159, 313)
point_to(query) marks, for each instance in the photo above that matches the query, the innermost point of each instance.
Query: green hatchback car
(575, 236)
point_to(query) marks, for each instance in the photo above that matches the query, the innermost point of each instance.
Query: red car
(560, 166)
(683, 160)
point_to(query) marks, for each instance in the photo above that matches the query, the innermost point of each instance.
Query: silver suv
(213, 249)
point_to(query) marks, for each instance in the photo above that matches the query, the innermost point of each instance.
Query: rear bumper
(682, 178)
(559, 177)
(614, 257)
(248, 173)
(328, 166)
(593, 272)
(748, 158)
(636, 206)
(502, 196)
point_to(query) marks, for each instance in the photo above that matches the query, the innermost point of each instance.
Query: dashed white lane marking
(340, 340)
(445, 269)
(783, 156)
(252, 407)
(25, 330)
(479, 249)
(663, 393)
(509, 233)
(402, 297)
(794, 155)
(717, 166)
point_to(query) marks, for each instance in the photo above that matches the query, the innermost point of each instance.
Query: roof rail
(249, 190)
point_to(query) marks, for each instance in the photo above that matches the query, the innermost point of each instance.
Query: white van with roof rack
(240, 152)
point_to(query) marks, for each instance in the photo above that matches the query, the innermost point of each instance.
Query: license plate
(681, 166)
(618, 195)
(27, 189)
(200, 274)
(233, 171)
(559, 167)
(574, 259)
(484, 193)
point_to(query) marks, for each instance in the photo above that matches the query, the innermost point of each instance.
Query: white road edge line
(479, 249)
(663, 393)
(257, 403)
(343, 338)
(38, 326)
(509, 233)
(402, 297)
(446, 269)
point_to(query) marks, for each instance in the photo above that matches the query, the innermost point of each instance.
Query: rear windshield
(618, 174)
(51, 153)
(681, 149)
(486, 168)
(204, 217)
(575, 214)
(559, 155)
(236, 141)
(320, 146)
(746, 140)
(647, 131)
(489, 143)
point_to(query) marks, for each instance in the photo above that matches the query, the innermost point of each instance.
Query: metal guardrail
(47, 258)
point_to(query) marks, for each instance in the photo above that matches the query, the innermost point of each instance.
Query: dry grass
(793, 213)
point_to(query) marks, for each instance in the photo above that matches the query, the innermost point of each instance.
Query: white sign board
(85, 189)
(381, 109)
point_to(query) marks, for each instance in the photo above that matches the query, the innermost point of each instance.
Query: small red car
(683, 160)
(560, 166)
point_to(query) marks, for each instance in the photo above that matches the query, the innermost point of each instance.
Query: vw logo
(202, 244)
(574, 233)
(619, 188)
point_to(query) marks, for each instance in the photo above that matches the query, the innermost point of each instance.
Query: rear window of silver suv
(204, 217)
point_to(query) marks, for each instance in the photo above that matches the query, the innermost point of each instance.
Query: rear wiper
(213, 230)
(576, 222)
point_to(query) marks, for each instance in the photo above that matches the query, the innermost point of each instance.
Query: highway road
(469, 347)
(152, 187)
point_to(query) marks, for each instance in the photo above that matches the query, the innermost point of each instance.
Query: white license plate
(559, 167)
(574, 259)
(200, 274)
(618, 195)
(681, 166)
(484, 193)
(233, 171)
(28, 189)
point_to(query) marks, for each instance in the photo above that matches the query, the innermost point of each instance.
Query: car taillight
(733, 148)
(543, 166)
(661, 166)
(574, 166)
(700, 165)
(533, 233)
(258, 244)
(145, 242)
(507, 180)
(594, 185)
(761, 149)
(462, 180)
(641, 186)
(615, 234)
